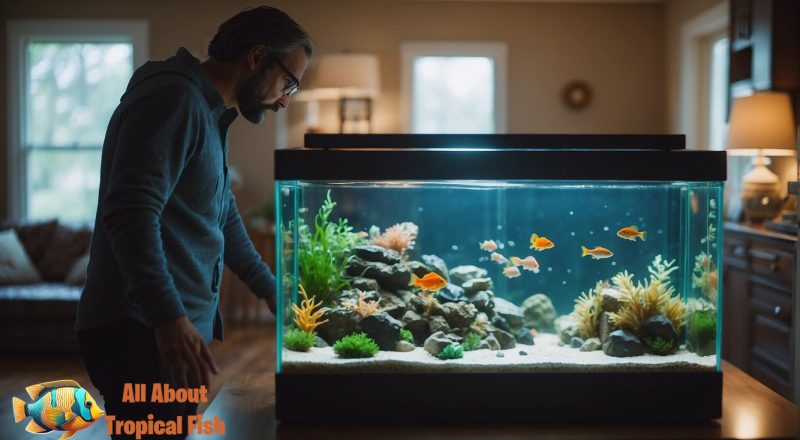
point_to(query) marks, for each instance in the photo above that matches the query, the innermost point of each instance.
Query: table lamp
(354, 80)
(761, 125)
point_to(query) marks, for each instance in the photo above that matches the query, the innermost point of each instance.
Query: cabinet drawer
(735, 250)
(771, 262)
(770, 328)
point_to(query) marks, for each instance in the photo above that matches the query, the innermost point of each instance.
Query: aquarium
(561, 277)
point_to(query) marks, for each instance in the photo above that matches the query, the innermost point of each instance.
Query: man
(166, 218)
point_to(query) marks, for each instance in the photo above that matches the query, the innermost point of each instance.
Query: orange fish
(499, 259)
(597, 253)
(488, 245)
(540, 243)
(631, 232)
(527, 263)
(431, 281)
(511, 272)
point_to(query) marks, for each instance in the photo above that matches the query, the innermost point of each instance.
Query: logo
(62, 405)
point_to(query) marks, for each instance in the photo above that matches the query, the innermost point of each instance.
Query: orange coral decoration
(305, 317)
(362, 307)
(399, 237)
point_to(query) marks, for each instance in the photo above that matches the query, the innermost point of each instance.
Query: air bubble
(572, 234)
(454, 247)
(569, 270)
(641, 219)
(660, 231)
(501, 246)
(605, 228)
(510, 243)
(420, 209)
(572, 213)
(499, 227)
(591, 232)
(564, 283)
(613, 263)
(549, 269)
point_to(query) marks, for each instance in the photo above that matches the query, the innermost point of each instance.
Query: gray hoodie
(166, 218)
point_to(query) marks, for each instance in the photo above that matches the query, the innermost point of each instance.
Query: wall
(618, 48)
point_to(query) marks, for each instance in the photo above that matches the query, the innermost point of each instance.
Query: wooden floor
(244, 350)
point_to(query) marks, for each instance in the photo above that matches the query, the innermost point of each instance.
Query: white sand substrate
(545, 356)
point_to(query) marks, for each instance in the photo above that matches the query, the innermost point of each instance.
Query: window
(67, 78)
(454, 87)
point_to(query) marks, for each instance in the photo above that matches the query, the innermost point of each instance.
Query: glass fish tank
(498, 277)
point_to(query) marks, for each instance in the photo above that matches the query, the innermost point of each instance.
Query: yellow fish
(540, 243)
(431, 281)
(58, 406)
(631, 232)
(597, 253)
(527, 263)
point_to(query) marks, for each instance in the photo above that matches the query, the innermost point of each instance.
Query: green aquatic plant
(705, 276)
(703, 332)
(655, 297)
(322, 254)
(660, 346)
(452, 351)
(406, 335)
(471, 341)
(356, 345)
(299, 340)
(586, 313)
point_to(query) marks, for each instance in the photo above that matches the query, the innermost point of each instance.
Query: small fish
(511, 272)
(488, 245)
(499, 259)
(534, 332)
(540, 243)
(58, 406)
(528, 263)
(431, 281)
(631, 232)
(597, 253)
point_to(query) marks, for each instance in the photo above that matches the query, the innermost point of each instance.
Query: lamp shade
(347, 75)
(762, 121)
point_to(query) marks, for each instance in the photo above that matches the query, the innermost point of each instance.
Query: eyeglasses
(293, 86)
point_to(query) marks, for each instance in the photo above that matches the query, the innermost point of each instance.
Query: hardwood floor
(248, 349)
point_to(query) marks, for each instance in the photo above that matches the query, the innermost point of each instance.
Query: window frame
(18, 34)
(498, 51)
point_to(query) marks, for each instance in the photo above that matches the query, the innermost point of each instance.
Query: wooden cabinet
(764, 45)
(758, 285)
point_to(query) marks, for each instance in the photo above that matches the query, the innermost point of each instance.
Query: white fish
(499, 259)
(511, 272)
(488, 245)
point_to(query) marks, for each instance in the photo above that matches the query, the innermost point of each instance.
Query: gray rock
(436, 343)
(392, 305)
(482, 301)
(591, 344)
(451, 293)
(500, 322)
(565, 328)
(622, 343)
(351, 296)
(459, 315)
(365, 284)
(539, 312)
(576, 342)
(659, 326)
(377, 254)
(391, 277)
(475, 285)
(404, 346)
(492, 342)
(500, 354)
(417, 325)
(383, 329)
(509, 311)
(523, 353)
(418, 268)
(524, 336)
(341, 322)
(606, 326)
(320, 343)
(438, 324)
(420, 305)
(505, 339)
(484, 345)
(454, 337)
(437, 266)
(461, 274)
(609, 300)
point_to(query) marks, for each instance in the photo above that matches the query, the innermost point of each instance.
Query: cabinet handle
(777, 311)
(738, 251)
(761, 255)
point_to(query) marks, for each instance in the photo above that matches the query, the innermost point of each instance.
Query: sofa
(42, 271)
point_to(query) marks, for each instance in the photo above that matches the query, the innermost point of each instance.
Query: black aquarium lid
(498, 157)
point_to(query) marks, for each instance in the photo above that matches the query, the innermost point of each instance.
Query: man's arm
(241, 256)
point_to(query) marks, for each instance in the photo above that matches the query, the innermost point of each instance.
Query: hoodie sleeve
(241, 256)
(157, 135)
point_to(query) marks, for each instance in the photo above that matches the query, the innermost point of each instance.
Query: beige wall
(618, 48)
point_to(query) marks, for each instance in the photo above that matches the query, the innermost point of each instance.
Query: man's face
(266, 88)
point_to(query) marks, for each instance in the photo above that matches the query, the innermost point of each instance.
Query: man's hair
(262, 25)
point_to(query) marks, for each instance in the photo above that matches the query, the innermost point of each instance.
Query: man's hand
(271, 303)
(185, 353)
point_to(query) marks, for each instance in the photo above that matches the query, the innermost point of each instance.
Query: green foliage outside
(452, 351)
(357, 345)
(323, 254)
(298, 340)
(471, 341)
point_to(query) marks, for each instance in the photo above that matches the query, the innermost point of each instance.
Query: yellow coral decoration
(362, 307)
(305, 317)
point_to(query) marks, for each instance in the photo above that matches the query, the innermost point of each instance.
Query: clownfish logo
(62, 405)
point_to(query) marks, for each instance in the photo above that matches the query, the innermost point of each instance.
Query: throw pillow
(63, 250)
(77, 275)
(15, 265)
(34, 237)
